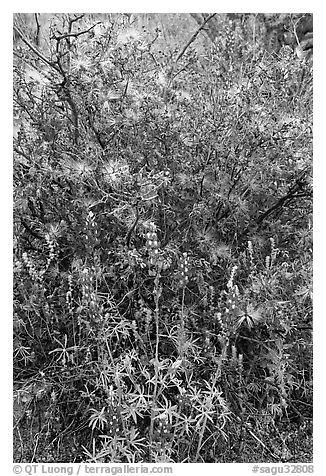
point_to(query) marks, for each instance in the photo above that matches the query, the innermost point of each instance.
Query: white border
(167, 6)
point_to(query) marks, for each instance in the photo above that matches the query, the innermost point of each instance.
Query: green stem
(201, 438)
(182, 324)
(153, 409)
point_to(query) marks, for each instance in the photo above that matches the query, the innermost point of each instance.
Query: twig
(273, 455)
(294, 24)
(193, 37)
(35, 50)
(129, 234)
(29, 229)
(38, 29)
(75, 35)
(59, 70)
(262, 444)
(77, 18)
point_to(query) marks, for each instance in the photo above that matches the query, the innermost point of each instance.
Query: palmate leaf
(98, 419)
(304, 292)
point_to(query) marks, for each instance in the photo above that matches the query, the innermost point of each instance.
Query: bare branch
(77, 18)
(38, 29)
(194, 36)
(35, 50)
(75, 35)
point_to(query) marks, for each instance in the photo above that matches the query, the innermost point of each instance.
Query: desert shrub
(162, 302)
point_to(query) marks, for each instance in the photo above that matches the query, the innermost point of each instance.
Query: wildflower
(88, 355)
(56, 230)
(115, 171)
(69, 295)
(51, 245)
(234, 353)
(273, 251)
(218, 318)
(86, 285)
(240, 363)
(91, 229)
(90, 219)
(76, 168)
(80, 64)
(152, 243)
(130, 35)
(35, 275)
(267, 262)
(251, 253)
(162, 79)
(18, 267)
(230, 282)
(184, 269)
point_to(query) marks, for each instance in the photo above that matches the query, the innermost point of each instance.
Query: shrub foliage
(162, 222)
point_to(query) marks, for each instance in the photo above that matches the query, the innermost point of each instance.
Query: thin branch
(194, 36)
(77, 18)
(22, 153)
(295, 191)
(29, 229)
(35, 50)
(59, 69)
(75, 35)
(38, 29)
(74, 112)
